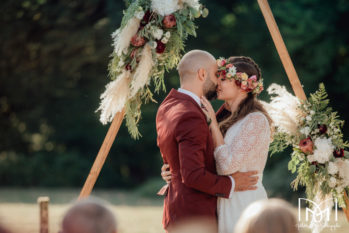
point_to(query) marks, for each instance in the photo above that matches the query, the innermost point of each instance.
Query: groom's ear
(202, 74)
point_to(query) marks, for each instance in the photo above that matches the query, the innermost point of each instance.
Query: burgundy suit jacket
(186, 144)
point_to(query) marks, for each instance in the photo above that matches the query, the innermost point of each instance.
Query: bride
(241, 131)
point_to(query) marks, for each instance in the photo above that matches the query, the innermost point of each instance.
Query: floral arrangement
(314, 131)
(248, 84)
(149, 42)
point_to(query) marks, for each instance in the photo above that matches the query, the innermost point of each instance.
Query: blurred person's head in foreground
(89, 216)
(3, 229)
(195, 225)
(267, 216)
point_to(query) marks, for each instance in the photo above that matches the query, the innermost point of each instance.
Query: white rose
(157, 33)
(164, 7)
(139, 14)
(324, 149)
(332, 168)
(332, 182)
(164, 40)
(168, 34)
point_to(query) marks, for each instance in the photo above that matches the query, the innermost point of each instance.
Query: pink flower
(169, 21)
(137, 41)
(223, 62)
(253, 78)
(229, 65)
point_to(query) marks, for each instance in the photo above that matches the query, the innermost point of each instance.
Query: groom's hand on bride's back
(245, 181)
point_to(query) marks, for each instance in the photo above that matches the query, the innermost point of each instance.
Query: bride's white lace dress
(245, 149)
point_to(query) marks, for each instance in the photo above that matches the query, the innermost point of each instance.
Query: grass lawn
(135, 214)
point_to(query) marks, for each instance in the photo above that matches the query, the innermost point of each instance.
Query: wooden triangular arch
(115, 125)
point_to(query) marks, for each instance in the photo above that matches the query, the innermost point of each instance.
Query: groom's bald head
(192, 62)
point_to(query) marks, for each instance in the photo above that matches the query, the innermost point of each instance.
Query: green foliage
(280, 142)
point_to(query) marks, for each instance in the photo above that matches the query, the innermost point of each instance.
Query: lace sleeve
(251, 132)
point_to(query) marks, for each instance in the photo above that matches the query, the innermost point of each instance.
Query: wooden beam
(43, 206)
(102, 155)
(281, 49)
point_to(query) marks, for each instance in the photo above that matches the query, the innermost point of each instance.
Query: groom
(186, 144)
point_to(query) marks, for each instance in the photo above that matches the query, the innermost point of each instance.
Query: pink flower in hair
(253, 78)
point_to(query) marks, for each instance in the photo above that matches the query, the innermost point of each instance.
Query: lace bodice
(246, 146)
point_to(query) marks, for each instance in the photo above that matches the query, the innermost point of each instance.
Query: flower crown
(248, 84)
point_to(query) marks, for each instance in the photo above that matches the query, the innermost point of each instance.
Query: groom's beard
(210, 90)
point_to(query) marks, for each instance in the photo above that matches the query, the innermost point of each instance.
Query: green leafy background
(53, 64)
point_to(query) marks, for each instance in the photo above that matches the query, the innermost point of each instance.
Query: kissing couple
(213, 162)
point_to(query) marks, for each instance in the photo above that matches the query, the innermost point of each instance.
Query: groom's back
(175, 114)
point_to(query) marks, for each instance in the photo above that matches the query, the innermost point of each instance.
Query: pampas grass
(122, 38)
(141, 76)
(114, 97)
(283, 109)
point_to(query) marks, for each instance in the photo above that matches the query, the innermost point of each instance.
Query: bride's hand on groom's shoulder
(209, 111)
(166, 173)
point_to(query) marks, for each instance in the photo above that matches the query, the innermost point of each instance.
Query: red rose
(160, 48)
(137, 41)
(306, 145)
(237, 82)
(146, 18)
(169, 21)
(128, 67)
(339, 153)
(322, 128)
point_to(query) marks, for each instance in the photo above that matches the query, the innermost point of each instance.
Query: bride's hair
(247, 105)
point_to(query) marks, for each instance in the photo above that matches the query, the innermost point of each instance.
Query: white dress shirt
(197, 100)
